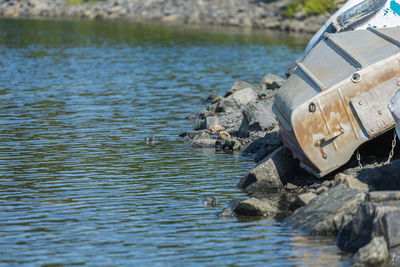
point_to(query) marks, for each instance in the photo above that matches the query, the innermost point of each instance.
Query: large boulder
(256, 207)
(271, 174)
(371, 220)
(324, 214)
(237, 100)
(257, 117)
(375, 253)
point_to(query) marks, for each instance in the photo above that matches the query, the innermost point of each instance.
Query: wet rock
(239, 85)
(203, 141)
(350, 182)
(256, 207)
(375, 253)
(191, 117)
(270, 175)
(236, 100)
(366, 224)
(305, 198)
(153, 139)
(257, 117)
(192, 134)
(227, 145)
(323, 215)
(271, 82)
(210, 201)
(226, 213)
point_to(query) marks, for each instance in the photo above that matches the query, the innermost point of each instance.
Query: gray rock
(323, 215)
(271, 82)
(367, 223)
(203, 140)
(270, 175)
(375, 253)
(389, 227)
(382, 196)
(230, 120)
(226, 213)
(256, 207)
(237, 100)
(203, 143)
(257, 117)
(350, 182)
(210, 123)
(237, 86)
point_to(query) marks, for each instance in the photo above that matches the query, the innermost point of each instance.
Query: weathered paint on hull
(322, 108)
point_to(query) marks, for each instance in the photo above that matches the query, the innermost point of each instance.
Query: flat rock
(323, 215)
(256, 207)
(375, 253)
(271, 174)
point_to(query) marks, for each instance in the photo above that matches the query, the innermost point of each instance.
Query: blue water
(79, 186)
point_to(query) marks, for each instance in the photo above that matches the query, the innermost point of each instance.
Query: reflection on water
(78, 183)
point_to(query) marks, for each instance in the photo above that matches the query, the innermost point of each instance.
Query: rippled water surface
(78, 184)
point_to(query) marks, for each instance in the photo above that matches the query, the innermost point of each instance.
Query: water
(79, 186)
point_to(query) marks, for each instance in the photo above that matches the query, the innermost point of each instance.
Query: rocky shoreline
(359, 206)
(248, 14)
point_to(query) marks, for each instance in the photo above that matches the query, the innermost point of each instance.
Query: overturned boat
(337, 96)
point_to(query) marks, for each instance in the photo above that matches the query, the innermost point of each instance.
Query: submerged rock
(256, 207)
(226, 213)
(270, 175)
(324, 214)
(375, 253)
